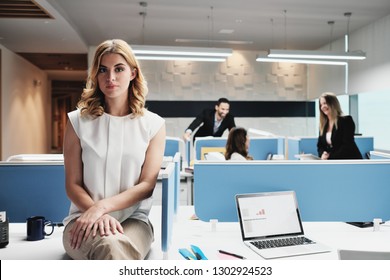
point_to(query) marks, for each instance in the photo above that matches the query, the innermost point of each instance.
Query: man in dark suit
(212, 122)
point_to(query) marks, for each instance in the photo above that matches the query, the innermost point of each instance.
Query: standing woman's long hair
(335, 110)
(92, 99)
(236, 143)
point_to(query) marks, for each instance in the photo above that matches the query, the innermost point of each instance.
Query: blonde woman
(336, 137)
(113, 150)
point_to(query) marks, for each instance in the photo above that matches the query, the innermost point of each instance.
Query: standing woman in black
(336, 138)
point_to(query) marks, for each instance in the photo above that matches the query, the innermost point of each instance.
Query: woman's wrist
(101, 207)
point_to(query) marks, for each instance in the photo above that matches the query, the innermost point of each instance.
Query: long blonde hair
(335, 110)
(92, 98)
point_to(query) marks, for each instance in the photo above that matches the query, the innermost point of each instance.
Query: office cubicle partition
(174, 145)
(259, 147)
(166, 161)
(354, 190)
(31, 189)
(168, 205)
(308, 145)
(38, 189)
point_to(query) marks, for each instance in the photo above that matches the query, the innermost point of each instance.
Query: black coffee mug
(36, 228)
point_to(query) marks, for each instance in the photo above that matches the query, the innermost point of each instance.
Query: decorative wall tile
(239, 78)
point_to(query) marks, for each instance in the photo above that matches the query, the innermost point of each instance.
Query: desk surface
(226, 236)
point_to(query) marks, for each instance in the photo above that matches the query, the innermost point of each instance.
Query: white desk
(337, 235)
(227, 237)
(19, 248)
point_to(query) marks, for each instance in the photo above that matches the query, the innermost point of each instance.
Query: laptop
(271, 225)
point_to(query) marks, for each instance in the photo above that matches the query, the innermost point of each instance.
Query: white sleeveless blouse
(113, 152)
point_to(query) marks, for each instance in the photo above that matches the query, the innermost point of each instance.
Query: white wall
(325, 78)
(26, 107)
(373, 73)
(369, 75)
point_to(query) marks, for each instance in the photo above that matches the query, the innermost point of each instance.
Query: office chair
(362, 255)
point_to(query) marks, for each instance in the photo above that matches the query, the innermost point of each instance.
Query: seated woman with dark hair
(237, 145)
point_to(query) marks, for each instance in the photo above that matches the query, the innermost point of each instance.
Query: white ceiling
(291, 24)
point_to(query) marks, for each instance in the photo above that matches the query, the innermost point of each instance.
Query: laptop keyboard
(282, 242)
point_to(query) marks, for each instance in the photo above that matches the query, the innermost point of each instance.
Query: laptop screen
(272, 214)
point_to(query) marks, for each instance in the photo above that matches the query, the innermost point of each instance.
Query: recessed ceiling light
(214, 41)
(226, 31)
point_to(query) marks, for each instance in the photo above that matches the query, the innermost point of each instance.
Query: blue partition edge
(33, 189)
(332, 191)
(176, 160)
(168, 205)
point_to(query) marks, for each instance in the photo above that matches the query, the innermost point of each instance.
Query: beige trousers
(134, 244)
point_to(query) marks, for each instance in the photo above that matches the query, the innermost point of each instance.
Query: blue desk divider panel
(174, 145)
(201, 142)
(168, 205)
(32, 189)
(355, 190)
(293, 148)
(259, 147)
(308, 145)
(188, 152)
(365, 144)
(282, 146)
(176, 161)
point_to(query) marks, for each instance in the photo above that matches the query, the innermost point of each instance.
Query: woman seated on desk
(336, 137)
(237, 145)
